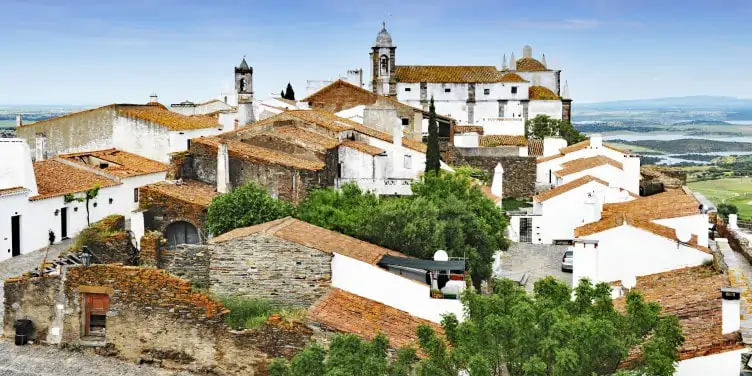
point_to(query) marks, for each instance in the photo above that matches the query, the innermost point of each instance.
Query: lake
(671, 158)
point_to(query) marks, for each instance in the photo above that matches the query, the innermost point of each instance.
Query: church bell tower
(383, 73)
(244, 90)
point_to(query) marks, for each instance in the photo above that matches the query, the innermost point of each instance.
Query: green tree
(510, 332)
(87, 197)
(282, 94)
(245, 206)
(433, 156)
(725, 209)
(338, 210)
(544, 126)
(289, 92)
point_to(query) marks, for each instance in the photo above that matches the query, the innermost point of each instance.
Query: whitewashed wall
(179, 139)
(125, 191)
(417, 158)
(696, 224)
(722, 364)
(541, 78)
(356, 164)
(384, 287)
(503, 126)
(10, 205)
(607, 172)
(514, 228)
(16, 169)
(548, 108)
(466, 140)
(543, 168)
(560, 215)
(138, 227)
(142, 138)
(617, 257)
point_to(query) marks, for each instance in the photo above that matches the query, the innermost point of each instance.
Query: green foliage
(472, 172)
(348, 355)
(551, 334)
(433, 156)
(245, 313)
(245, 206)
(511, 204)
(725, 209)
(289, 93)
(544, 126)
(446, 211)
(87, 196)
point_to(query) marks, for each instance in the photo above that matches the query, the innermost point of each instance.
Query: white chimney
(596, 140)
(732, 221)
(504, 65)
(497, 184)
(223, 168)
(153, 98)
(591, 211)
(512, 62)
(730, 310)
(40, 147)
(19, 121)
(397, 154)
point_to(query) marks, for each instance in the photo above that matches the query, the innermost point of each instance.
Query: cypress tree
(282, 94)
(432, 153)
(289, 93)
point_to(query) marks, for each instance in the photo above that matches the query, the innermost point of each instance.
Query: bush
(725, 209)
(245, 206)
(246, 313)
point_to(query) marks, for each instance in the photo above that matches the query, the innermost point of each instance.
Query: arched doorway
(181, 232)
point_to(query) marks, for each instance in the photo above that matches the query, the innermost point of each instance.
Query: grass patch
(514, 204)
(737, 191)
(249, 313)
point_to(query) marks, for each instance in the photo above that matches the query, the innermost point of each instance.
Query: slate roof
(306, 234)
(582, 164)
(122, 164)
(55, 178)
(190, 191)
(345, 312)
(564, 188)
(693, 294)
(243, 150)
(447, 74)
(362, 147)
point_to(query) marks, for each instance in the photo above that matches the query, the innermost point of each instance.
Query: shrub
(246, 313)
(245, 206)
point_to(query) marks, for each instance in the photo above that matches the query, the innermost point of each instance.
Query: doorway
(15, 235)
(526, 230)
(64, 223)
(95, 308)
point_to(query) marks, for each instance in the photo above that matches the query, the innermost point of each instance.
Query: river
(671, 158)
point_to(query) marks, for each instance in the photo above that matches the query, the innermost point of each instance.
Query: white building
(500, 99)
(149, 130)
(590, 157)
(645, 236)
(42, 196)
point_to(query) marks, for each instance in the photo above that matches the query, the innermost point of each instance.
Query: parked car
(566, 260)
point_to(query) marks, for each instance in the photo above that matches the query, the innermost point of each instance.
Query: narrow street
(740, 272)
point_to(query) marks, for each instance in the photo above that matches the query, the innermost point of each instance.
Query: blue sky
(86, 52)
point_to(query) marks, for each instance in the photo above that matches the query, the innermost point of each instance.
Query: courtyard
(531, 262)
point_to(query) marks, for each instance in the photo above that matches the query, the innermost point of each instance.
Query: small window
(135, 194)
(447, 90)
(408, 162)
(407, 89)
(486, 91)
(405, 121)
(189, 144)
(514, 89)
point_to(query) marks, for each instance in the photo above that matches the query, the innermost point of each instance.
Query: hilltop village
(152, 227)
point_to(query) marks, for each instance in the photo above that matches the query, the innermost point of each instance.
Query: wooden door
(96, 307)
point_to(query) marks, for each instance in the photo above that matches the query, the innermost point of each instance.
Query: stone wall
(163, 210)
(32, 299)
(261, 266)
(151, 244)
(188, 261)
(179, 166)
(671, 178)
(108, 241)
(519, 172)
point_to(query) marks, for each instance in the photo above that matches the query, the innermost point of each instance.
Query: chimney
(565, 90)
(223, 168)
(527, 52)
(596, 140)
(40, 147)
(19, 121)
(497, 184)
(543, 61)
(512, 62)
(732, 221)
(592, 211)
(504, 65)
(153, 98)
(731, 310)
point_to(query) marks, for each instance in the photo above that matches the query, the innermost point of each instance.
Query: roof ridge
(283, 222)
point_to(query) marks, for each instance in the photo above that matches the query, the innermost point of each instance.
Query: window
(189, 144)
(514, 89)
(405, 121)
(486, 91)
(408, 162)
(447, 90)
(384, 65)
(408, 89)
(135, 194)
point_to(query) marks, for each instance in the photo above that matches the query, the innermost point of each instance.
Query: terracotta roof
(512, 77)
(240, 149)
(468, 128)
(406, 142)
(321, 118)
(306, 234)
(345, 312)
(190, 191)
(534, 147)
(12, 190)
(582, 164)
(55, 178)
(447, 73)
(171, 120)
(110, 106)
(121, 163)
(362, 147)
(541, 93)
(288, 132)
(288, 101)
(694, 295)
(528, 64)
(502, 140)
(576, 147)
(564, 188)
(157, 104)
(372, 97)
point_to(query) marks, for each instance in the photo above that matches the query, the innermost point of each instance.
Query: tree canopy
(446, 211)
(288, 93)
(245, 206)
(544, 126)
(725, 209)
(433, 155)
(511, 333)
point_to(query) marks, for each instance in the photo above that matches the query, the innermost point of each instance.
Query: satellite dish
(629, 282)
(683, 235)
(440, 255)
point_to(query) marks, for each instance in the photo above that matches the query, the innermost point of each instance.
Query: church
(499, 100)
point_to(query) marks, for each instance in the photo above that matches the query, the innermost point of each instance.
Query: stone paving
(535, 260)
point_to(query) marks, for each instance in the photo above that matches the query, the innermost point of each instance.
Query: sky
(92, 52)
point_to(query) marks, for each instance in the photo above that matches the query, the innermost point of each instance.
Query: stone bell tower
(383, 74)
(244, 90)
